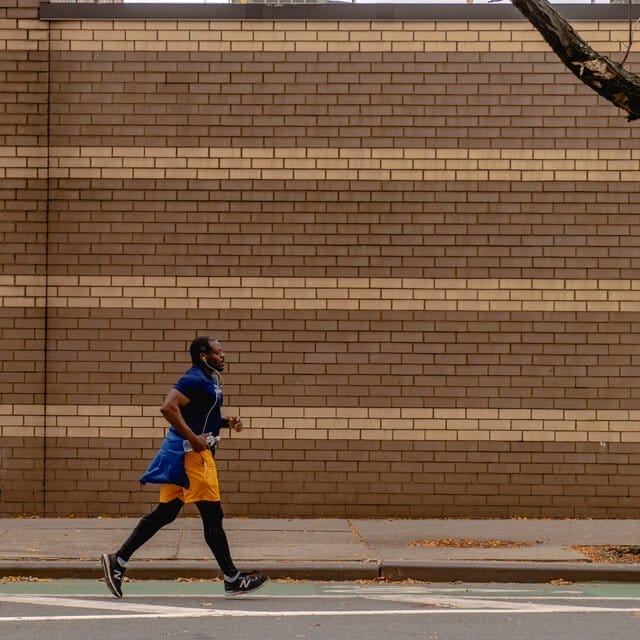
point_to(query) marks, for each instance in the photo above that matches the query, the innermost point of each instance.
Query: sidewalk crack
(367, 546)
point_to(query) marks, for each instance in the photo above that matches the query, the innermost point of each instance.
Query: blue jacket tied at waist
(167, 467)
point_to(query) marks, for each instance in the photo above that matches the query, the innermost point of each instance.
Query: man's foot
(113, 573)
(245, 583)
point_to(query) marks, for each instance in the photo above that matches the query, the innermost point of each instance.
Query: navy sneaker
(113, 573)
(245, 583)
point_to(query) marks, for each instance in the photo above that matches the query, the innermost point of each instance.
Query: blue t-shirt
(203, 413)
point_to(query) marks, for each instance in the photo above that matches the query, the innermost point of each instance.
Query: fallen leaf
(461, 543)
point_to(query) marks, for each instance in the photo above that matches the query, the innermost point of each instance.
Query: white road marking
(444, 605)
(196, 613)
(462, 603)
(401, 593)
(359, 591)
(79, 603)
(383, 595)
(418, 612)
(108, 616)
(271, 597)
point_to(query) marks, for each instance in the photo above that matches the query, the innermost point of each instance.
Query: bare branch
(598, 72)
(632, 30)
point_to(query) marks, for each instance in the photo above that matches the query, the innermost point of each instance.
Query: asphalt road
(79, 610)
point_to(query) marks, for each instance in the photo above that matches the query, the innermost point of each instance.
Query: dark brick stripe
(21, 356)
(288, 99)
(354, 359)
(345, 229)
(345, 478)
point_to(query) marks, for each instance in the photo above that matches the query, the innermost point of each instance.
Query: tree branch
(632, 29)
(598, 72)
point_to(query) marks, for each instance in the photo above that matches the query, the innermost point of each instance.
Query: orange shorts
(203, 480)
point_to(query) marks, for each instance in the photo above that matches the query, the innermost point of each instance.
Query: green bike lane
(198, 610)
(276, 591)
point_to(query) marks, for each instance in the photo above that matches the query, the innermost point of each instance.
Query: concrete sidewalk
(325, 549)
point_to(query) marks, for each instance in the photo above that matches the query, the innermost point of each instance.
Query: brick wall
(23, 205)
(417, 241)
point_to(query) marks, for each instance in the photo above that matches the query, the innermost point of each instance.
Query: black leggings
(165, 513)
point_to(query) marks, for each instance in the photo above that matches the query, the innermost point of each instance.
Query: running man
(185, 469)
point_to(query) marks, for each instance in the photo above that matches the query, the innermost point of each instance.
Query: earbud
(206, 364)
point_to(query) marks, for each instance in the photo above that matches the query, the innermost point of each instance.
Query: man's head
(207, 354)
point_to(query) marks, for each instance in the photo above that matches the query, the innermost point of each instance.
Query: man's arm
(170, 409)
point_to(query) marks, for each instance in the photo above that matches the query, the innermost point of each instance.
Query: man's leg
(165, 513)
(235, 583)
(215, 537)
(114, 564)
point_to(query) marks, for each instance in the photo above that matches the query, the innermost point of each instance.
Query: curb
(168, 570)
(486, 572)
(532, 572)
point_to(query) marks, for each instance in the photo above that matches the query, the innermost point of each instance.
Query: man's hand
(200, 443)
(235, 423)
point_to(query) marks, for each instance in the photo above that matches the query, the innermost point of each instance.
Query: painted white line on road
(401, 597)
(418, 612)
(107, 616)
(455, 603)
(357, 589)
(78, 603)
(383, 595)
(433, 605)
(462, 603)
(302, 614)
(468, 592)
(581, 598)
(217, 613)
